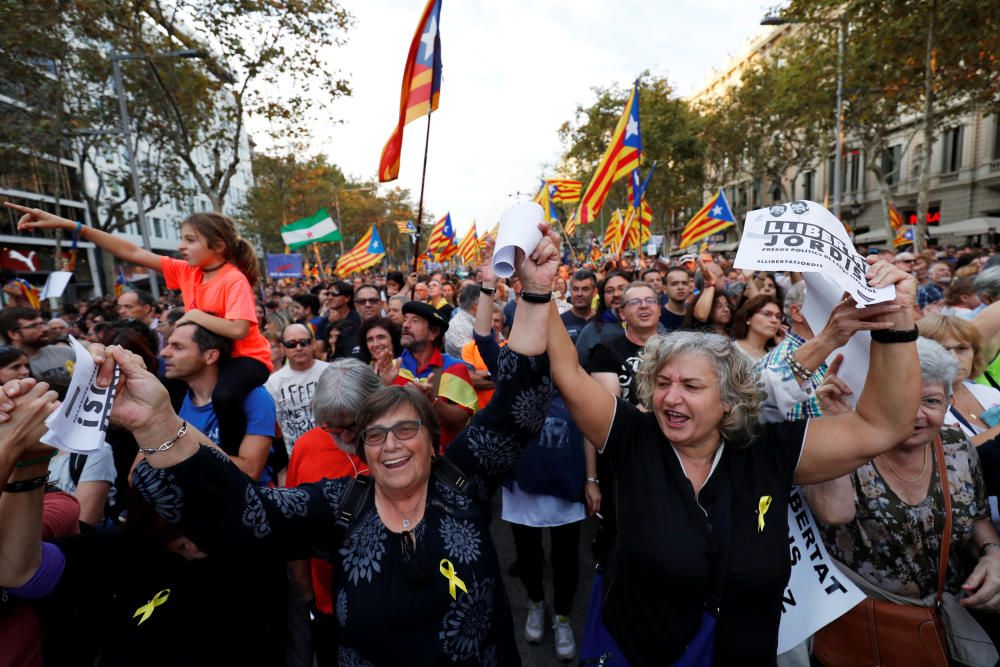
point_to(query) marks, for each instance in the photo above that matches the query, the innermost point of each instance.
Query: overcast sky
(513, 72)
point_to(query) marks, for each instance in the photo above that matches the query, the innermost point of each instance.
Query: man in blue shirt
(193, 355)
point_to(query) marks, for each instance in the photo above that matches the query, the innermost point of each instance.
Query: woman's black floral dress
(440, 603)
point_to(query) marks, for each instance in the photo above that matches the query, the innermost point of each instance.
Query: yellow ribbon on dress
(147, 609)
(448, 570)
(762, 507)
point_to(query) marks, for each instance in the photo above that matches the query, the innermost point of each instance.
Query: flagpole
(420, 205)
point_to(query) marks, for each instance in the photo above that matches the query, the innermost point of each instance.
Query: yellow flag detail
(448, 571)
(146, 610)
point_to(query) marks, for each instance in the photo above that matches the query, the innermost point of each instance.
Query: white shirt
(293, 392)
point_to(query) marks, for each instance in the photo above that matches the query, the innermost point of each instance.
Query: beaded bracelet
(23, 485)
(797, 368)
(44, 458)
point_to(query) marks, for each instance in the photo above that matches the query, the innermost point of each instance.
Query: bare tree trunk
(923, 188)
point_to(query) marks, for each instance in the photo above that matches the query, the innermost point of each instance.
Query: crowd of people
(304, 471)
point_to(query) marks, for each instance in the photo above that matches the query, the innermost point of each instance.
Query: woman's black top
(440, 603)
(662, 572)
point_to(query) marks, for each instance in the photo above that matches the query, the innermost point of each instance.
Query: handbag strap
(946, 537)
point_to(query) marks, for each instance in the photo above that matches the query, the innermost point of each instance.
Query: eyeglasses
(367, 302)
(375, 436)
(33, 325)
(648, 301)
(337, 430)
(335, 294)
(292, 344)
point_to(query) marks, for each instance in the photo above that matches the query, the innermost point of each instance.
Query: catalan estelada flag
(895, 218)
(642, 224)
(713, 217)
(421, 85)
(620, 158)
(904, 236)
(468, 249)
(405, 227)
(613, 232)
(544, 199)
(368, 252)
(442, 240)
(120, 282)
(564, 190)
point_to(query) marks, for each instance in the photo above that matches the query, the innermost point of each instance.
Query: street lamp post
(838, 158)
(126, 133)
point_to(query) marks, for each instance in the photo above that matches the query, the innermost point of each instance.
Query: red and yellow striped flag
(468, 249)
(368, 252)
(421, 86)
(620, 158)
(895, 218)
(613, 232)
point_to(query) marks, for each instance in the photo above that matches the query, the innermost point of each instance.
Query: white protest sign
(80, 423)
(803, 236)
(518, 229)
(818, 593)
(55, 284)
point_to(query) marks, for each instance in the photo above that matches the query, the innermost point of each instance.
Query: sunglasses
(375, 436)
(367, 302)
(292, 344)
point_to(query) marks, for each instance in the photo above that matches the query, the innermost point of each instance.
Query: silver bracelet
(168, 444)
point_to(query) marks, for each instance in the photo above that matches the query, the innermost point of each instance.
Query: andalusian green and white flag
(317, 228)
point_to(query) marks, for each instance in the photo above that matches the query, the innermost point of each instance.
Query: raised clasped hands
(25, 404)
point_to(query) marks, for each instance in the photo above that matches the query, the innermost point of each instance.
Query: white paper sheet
(81, 422)
(518, 229)
(55, 284)
(803, 236)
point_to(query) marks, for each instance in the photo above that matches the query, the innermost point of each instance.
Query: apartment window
(951, 149)
(996, 137)
(808, 183)
(891, 164)
(157, 228)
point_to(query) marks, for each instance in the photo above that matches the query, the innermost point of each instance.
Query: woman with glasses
(416, 578)
(975, 408)
(756, 326)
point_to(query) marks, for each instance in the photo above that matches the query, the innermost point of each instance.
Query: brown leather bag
(879, 633)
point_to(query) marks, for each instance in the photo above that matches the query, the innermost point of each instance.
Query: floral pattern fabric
(896, 545)
(440, 601)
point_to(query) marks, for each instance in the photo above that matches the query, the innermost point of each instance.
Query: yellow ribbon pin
(147, 609)
(762, 507)
(448, 570)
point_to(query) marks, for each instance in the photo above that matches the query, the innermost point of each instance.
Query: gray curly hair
(937, 365)
(739, 383)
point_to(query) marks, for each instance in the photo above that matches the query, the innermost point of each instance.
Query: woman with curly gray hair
(703, 489)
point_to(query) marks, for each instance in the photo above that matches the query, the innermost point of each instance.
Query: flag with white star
(421, 85)
(621, 157)
(713, 217)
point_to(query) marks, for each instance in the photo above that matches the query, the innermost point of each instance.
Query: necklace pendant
(406, 523)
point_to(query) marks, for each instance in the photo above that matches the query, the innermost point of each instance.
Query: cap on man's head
(905, 257)
(425, 311)
(688, 258)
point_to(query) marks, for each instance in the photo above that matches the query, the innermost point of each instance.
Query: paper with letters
(803, 236)
(518, 229)
(81, 422)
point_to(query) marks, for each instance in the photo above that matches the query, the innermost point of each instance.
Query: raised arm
(835, 446)
(34, 218)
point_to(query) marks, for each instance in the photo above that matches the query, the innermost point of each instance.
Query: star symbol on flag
(632, 127)
(717, 211)
(427, 39)
(309, 235)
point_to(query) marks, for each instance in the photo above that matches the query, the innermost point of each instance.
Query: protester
(671, 463)
(24, 329)
(678, 288)
(292, 386)
(340, 304)
(756, 326)
(329, 451)
(582, 287)
(13, 364)
(394, 308)
(381, 336)
(605, 324)
(58, 330)
(368, 302)
(216, 279)
(138, 305)
(654, 279)
(884, 520)
(712, 312)
(961, 299)
(462, 321)
(938, 280)
(975, 408)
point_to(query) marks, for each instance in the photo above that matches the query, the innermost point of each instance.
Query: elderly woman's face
(933, 408)
(686, 401)
(964, 354)
(400, 463)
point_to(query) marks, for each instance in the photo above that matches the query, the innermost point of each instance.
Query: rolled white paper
(518, 229)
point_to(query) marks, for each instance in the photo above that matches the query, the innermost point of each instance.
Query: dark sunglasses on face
(367, 302)
(292, 344)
